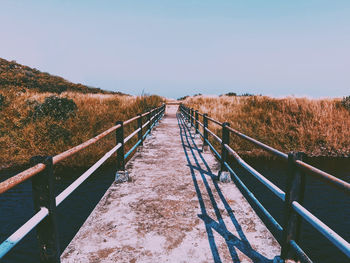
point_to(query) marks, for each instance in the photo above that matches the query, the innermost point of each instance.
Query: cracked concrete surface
(172, 210)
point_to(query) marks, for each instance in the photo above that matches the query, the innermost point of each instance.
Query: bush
(56, 133)
(183, 98)
(55, 107)
(231, 94)
(234, 94)
(2, 101)
(346, 102)
(247, 95)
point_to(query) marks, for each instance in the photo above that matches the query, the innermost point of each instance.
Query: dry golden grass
(319, 127)
(22, 137)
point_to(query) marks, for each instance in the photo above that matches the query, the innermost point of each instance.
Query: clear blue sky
(179, 47)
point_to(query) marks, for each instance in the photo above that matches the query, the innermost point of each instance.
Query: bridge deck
(172, 210)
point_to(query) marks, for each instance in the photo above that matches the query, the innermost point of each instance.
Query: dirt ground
(172, 210)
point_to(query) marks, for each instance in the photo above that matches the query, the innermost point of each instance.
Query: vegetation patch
(55, 107)
(183, 98)
(2, 101)
(56, 133)
(318, 127)
(14, 76)
(346, 102)
(47, 124)
(234, 94)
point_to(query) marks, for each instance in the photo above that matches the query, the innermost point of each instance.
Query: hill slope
(18, 77)
(318, 127)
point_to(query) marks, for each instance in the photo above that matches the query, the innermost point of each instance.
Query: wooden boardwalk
(172, 210)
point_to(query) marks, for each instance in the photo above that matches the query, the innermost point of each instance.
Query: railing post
(191, 117)
(295, 187)
(205, 132)
(139, 124)
(44, 196)
(155, 117)
(158, 115)
(149, 122)
(120, 152)
(225, 139)
(196, 122)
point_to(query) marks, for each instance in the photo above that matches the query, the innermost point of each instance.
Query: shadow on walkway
(218, 225)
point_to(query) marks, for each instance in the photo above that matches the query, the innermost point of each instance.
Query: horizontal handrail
(70, 152)
(21, 232)
(215, 121)
(340, 184)
(131, 120)
(272, 220)
(273, 188)
(201, 124)
(131, 135)
(319, 174)
(65, 193)
(213, 149)
(132, 149)
(214, 135)
(145, 124)
(21, 177)
(260, 144)
(331, 235)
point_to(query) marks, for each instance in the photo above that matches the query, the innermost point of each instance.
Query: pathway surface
(172, 210)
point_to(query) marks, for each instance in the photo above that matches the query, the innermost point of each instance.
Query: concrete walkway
(172, 210)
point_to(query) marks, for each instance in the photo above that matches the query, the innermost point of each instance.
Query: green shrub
(247, 95)
(183, 98)
(55, 107)
(2, 101)
(346, 102)
(231, 94)
(56, 133)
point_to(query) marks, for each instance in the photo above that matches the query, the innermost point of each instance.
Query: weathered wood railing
(42, 176)
(288, 235)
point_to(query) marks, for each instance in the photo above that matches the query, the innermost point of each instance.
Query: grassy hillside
(319, 127)
(33, 123)
(41, 114)
(14, 76)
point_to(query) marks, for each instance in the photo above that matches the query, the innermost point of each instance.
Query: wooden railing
(42, 175)
(294, 211)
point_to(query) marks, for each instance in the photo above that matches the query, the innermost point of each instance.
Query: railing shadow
(233, 242)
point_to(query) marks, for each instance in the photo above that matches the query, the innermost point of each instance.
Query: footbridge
(175, 198)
